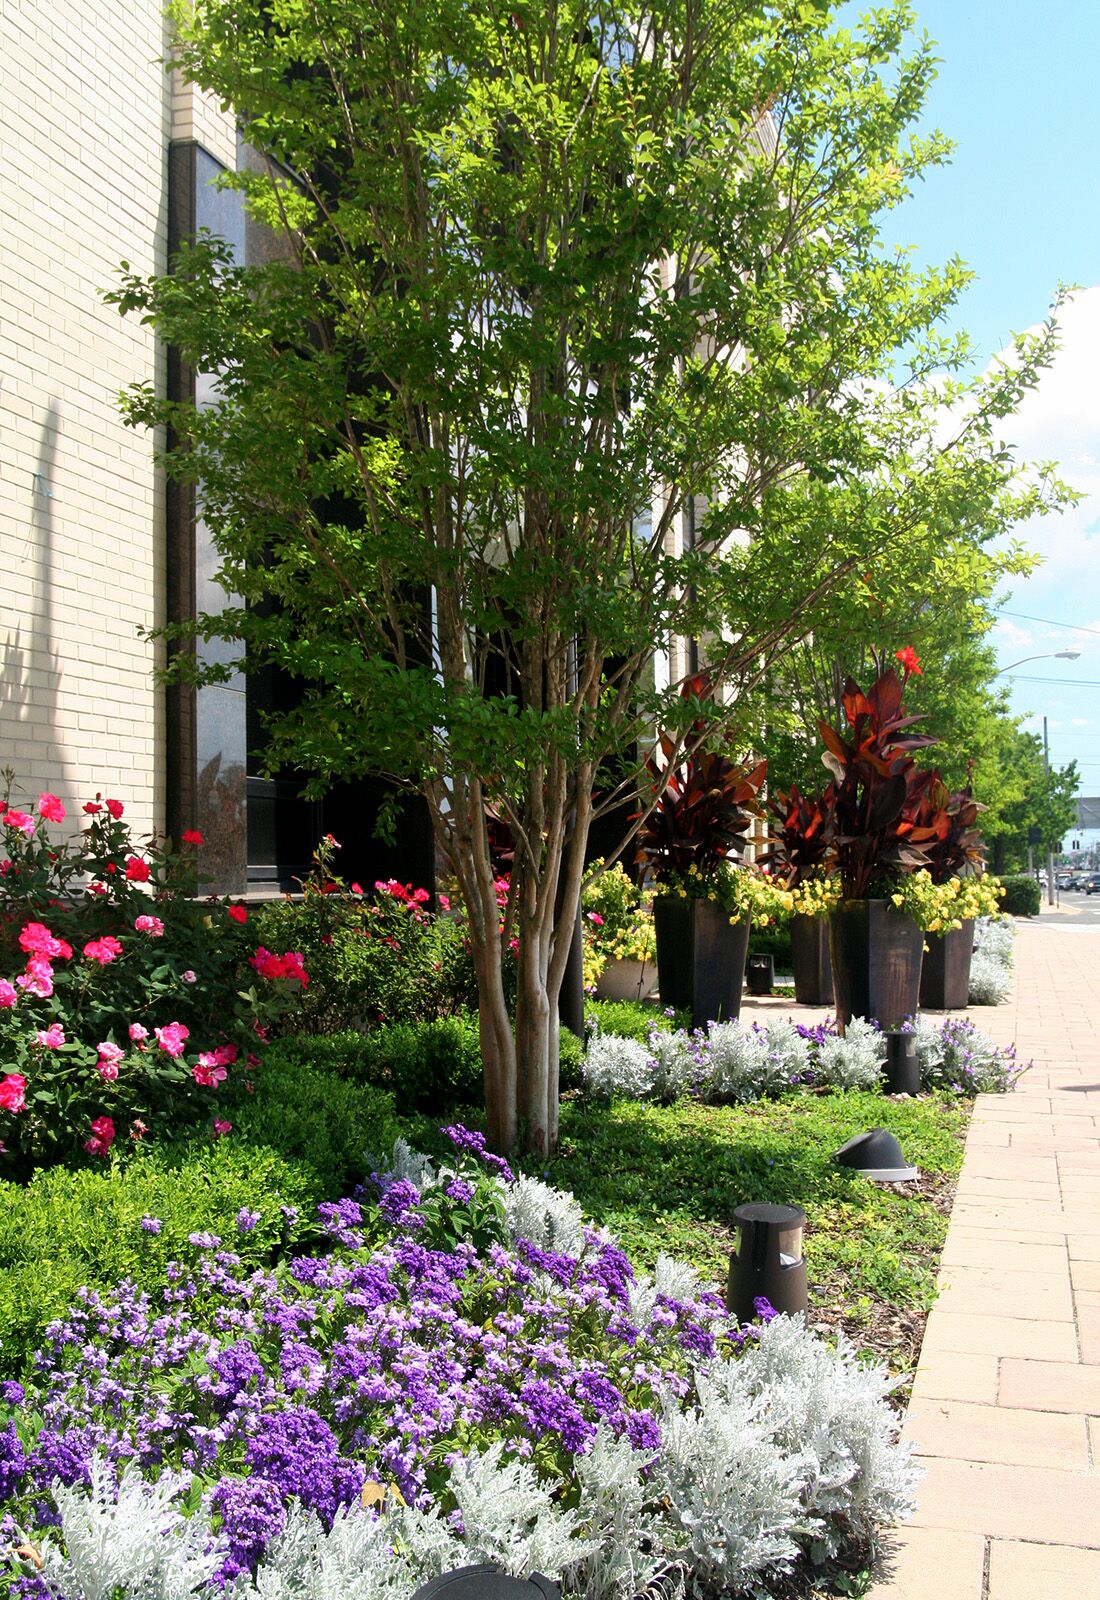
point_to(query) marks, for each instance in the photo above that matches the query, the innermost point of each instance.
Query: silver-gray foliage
(550, 1218)
(853, 1062)
(830, 1410)
(132, 1538)
(739, 1065)
(990, 980)
(617, 1066)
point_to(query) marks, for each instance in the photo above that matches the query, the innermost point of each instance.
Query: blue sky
(1019, 92)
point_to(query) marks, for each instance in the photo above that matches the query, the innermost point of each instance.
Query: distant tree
(560, 272)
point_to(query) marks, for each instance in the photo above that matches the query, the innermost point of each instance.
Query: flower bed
(470, 1373)
(129, 1001)
(735, 1061)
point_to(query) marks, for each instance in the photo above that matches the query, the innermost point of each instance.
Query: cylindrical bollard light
(486, 1582)
(760, 974)
(901, 1069)
(768, 1262)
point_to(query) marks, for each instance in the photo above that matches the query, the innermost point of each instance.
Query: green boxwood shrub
(326, 1122)
(1022, 896)
(632, 1019)
(432, 1066)
(65, 1230)
(773, 940)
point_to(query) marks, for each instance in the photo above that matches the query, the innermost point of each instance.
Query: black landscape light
(760, 973)
(768, 1262)
(902, 1069)
(876, 1155)
(486, 1582)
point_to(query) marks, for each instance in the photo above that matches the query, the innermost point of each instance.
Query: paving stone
(1033, 1339)
(953, 1375)
(981, 1247)
(1032, 1296)
(1084, 1275)
(969, 1432)
(1009, 1502)
(1050, 1386)
(908, 1555)
(1020, 1571)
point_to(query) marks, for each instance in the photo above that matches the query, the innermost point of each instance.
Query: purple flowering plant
(372, 1362)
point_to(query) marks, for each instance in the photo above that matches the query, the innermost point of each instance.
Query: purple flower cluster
(472, 1143)
(307, 1381)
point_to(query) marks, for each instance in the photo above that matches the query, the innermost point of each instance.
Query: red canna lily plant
(956, 849)
(705, 810)
(801, 843)
(878, 810)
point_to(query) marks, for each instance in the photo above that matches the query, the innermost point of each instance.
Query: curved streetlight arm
(1047, 655)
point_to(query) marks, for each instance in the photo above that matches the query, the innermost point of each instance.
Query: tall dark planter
(813, 970)
(876, 953)
(945, 976)
(700, 958)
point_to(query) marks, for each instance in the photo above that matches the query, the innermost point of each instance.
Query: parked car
(1092, 883)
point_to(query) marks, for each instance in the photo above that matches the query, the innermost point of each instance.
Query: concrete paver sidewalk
(1005, 1412)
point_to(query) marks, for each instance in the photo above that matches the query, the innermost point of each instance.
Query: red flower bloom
(238, 913)
(137, 870)
(909, 660)
(50, 807)
(192, 836)
(12, 1091)
(115, 807)
(103, 1137)
(91, 809)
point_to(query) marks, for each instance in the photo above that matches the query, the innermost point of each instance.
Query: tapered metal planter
(700, 958)
(813, 970)
(876, 953)
(945, 975)
(626, 980)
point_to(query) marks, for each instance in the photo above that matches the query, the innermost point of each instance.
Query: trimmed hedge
(67, 1230)
(1022, 896)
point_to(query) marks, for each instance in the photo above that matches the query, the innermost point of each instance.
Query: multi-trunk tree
(582, 341)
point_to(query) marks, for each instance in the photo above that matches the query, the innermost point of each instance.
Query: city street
(1074, 909)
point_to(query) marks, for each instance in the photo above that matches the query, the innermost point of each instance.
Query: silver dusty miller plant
(616, 1066)
(853, 1062)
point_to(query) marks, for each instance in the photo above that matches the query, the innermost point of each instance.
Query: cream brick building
(87, 114)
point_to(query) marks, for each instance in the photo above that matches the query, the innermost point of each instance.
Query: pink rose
(150, 925)
(173, 1038)
(207, 1072)
(13, 1092)
(103, 950)
(109, 1057)
(188, 976)
(103, 1137)
(115, 807)
(50, 807)
(221, 1129)
(36, 939)
(137, 1032)
(21, 821)
(137, 870)
(38, 978)
(51, 1038)
(7, 994)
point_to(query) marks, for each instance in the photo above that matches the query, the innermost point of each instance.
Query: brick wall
(86, 113)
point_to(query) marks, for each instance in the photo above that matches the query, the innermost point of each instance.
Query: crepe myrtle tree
(552, 271)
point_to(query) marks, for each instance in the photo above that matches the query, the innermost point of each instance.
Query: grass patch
(668, 1179)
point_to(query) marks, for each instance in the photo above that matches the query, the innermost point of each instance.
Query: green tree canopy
(557, 274)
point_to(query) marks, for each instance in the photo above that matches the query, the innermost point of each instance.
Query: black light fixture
(760, 973)
(876, 1155)
(901, 1068)
(486, 1582)
(768, 1261)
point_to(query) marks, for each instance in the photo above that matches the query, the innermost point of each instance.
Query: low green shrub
(570, 1058)
(326, 1122)
(372, 957)
(432, 1066)
(631, 1019)
(66, 1230)
(1022, 896)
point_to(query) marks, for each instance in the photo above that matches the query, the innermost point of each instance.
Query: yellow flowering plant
(815, 896)
(616, 925)
(941, 907)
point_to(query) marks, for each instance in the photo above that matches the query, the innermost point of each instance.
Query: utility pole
(1050, 852)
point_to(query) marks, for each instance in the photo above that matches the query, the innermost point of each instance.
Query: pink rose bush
(127, 1001)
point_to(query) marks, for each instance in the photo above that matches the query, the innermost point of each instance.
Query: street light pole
(1050, 849)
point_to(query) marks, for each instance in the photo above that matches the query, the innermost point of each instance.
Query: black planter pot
(945, 976)
(876, 953)
(700, 958)
(813, 970)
